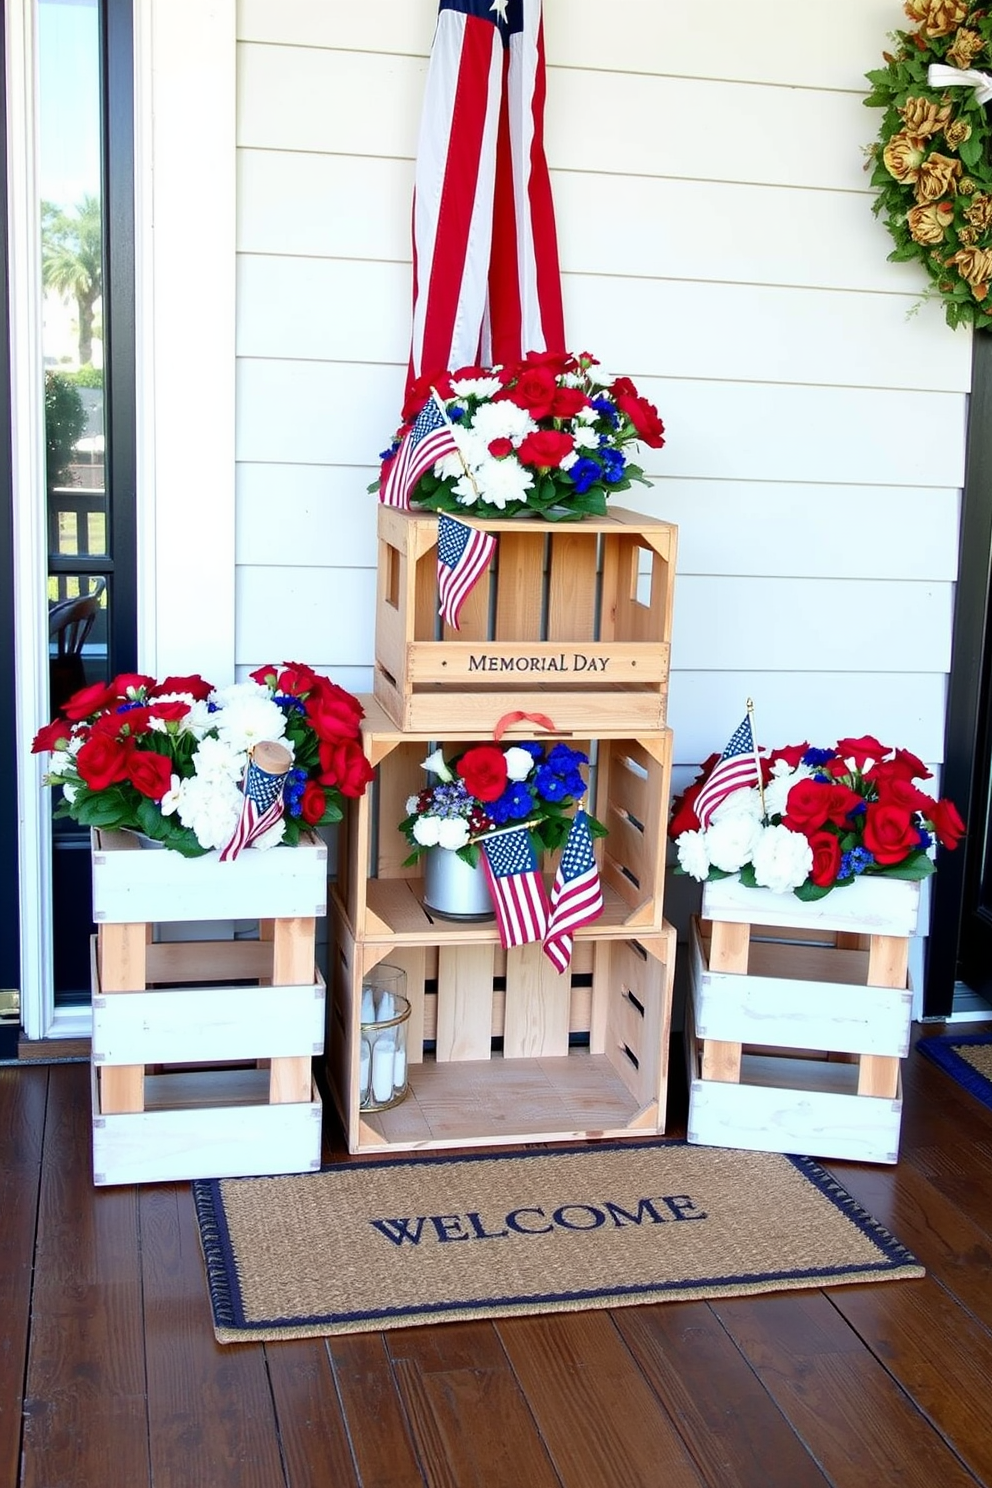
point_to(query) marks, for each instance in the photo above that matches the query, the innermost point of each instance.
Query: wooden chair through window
(69, 624)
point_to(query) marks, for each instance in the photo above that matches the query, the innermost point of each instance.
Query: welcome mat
(965, 1056)
(389, 1243)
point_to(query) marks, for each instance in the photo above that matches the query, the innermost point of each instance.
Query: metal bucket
(453, 888)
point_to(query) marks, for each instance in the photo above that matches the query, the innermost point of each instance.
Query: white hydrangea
(210, 808)
(730, 842)
(519, 762)
(427, 830)
(692, 855)
(782, 859)
(744, 802)
(452, 832)
(778, 788)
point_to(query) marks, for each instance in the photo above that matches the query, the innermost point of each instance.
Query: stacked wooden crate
(799, 1016)
(571, 626)
(203, 1050)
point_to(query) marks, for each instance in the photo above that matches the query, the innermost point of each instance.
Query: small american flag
(463, 555)
(261, 808)
(736, 768)
(576, 895)
(429, 437)
(512, 871)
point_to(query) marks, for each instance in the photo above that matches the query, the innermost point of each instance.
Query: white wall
(718, 246)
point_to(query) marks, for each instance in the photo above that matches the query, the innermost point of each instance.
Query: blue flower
(584, 473)
(818, 756)
(606, 410)
(388, 454)
(515, 804)
(456, 412)
(925, 838)
(613, 465)
(563, 759)
(287, 703)
(549, 785)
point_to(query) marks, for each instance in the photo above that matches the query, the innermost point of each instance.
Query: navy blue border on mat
(941, 1050)
(225, 1291)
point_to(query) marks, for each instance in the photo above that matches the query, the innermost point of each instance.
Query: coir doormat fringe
(389, 1243)
(967, 1057)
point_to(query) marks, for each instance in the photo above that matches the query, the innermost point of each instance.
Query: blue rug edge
(942, 1051)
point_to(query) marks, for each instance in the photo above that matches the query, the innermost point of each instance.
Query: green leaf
(808, 892)
(747, 876)
(915, 868)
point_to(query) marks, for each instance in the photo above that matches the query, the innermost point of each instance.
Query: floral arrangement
(820, 820)
(487, 788)
(931, 163)
(548, 434)
(167, 758)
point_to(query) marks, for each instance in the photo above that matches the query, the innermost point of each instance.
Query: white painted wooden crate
(132, 885)
(799, 1006)
(872, 906)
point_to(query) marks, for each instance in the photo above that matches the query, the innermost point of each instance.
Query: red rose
(313, 803)
(902, 766)
(890, 833)
(684, 818)
(807, 806)
(149, 772)
(567, 402)
(546, 448)
(535, 390)
(862, 749)
(791, 754)
(483, 770)
(333, 713)
(54, 735)
(841, 802)
(645, 419)
(900, 791)
(826, 858)
(169, 712)
(421, 391)
(102, 761)
(296, 679)
(265, 676)
(559, 362)
(128, 682)
(946, 822)
(195, 684)
(500, 448)
(345, 766)
(90, 700)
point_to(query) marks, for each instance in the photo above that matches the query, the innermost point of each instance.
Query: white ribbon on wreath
(939, 75)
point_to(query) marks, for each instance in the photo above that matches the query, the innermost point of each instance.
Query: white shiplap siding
(717, 245)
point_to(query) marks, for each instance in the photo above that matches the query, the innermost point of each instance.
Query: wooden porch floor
(110, 1376)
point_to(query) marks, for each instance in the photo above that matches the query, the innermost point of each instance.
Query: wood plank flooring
(110, 1375)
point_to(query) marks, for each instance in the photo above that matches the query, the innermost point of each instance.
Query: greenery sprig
(931, 163)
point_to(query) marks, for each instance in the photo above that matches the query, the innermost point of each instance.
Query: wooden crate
(171, 1020)
(539, 1086)
(383, 900)
(568, 617)
(795, 1032)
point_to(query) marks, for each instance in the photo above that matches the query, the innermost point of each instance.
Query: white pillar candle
(399, 1069)
(364, 1068)
(386, 1008)
(383, 1058)
(368, 1005)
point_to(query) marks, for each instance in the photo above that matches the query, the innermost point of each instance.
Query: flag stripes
(736, 768)
(576, 895)
(512, 872)
(463, 555)
(424, 443)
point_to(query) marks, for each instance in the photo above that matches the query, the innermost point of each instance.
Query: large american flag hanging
(513, 874)
(463, 555)
(736, 768)
(261, 808)
(486, 279)
(429, 438)
(576, 895)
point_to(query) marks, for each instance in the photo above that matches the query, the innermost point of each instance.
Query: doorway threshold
(969, 1006)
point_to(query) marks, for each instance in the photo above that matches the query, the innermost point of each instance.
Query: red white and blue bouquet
(171, 759)
(819, 819)
(549, 434)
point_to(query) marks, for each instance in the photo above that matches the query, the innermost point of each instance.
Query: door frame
(185, 245)
(965, 741)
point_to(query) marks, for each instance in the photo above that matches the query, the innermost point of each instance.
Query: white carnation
(502, 421)
(519, 762)
(249, 720)
(427, 830)
(778, 788)
(216, 760)
(452, 832)
(61, 762)
(782, 859)
(731, 842)
(692, 855)
(745, 802)
(476, 387)
(411, 804)
(585, 438)
(210, 808)
(69, 790)
(500, 481)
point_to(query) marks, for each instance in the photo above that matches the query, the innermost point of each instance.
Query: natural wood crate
(132, 885)
(568, 616)
(382, 899)
(794, 1045)
(538, 1087)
